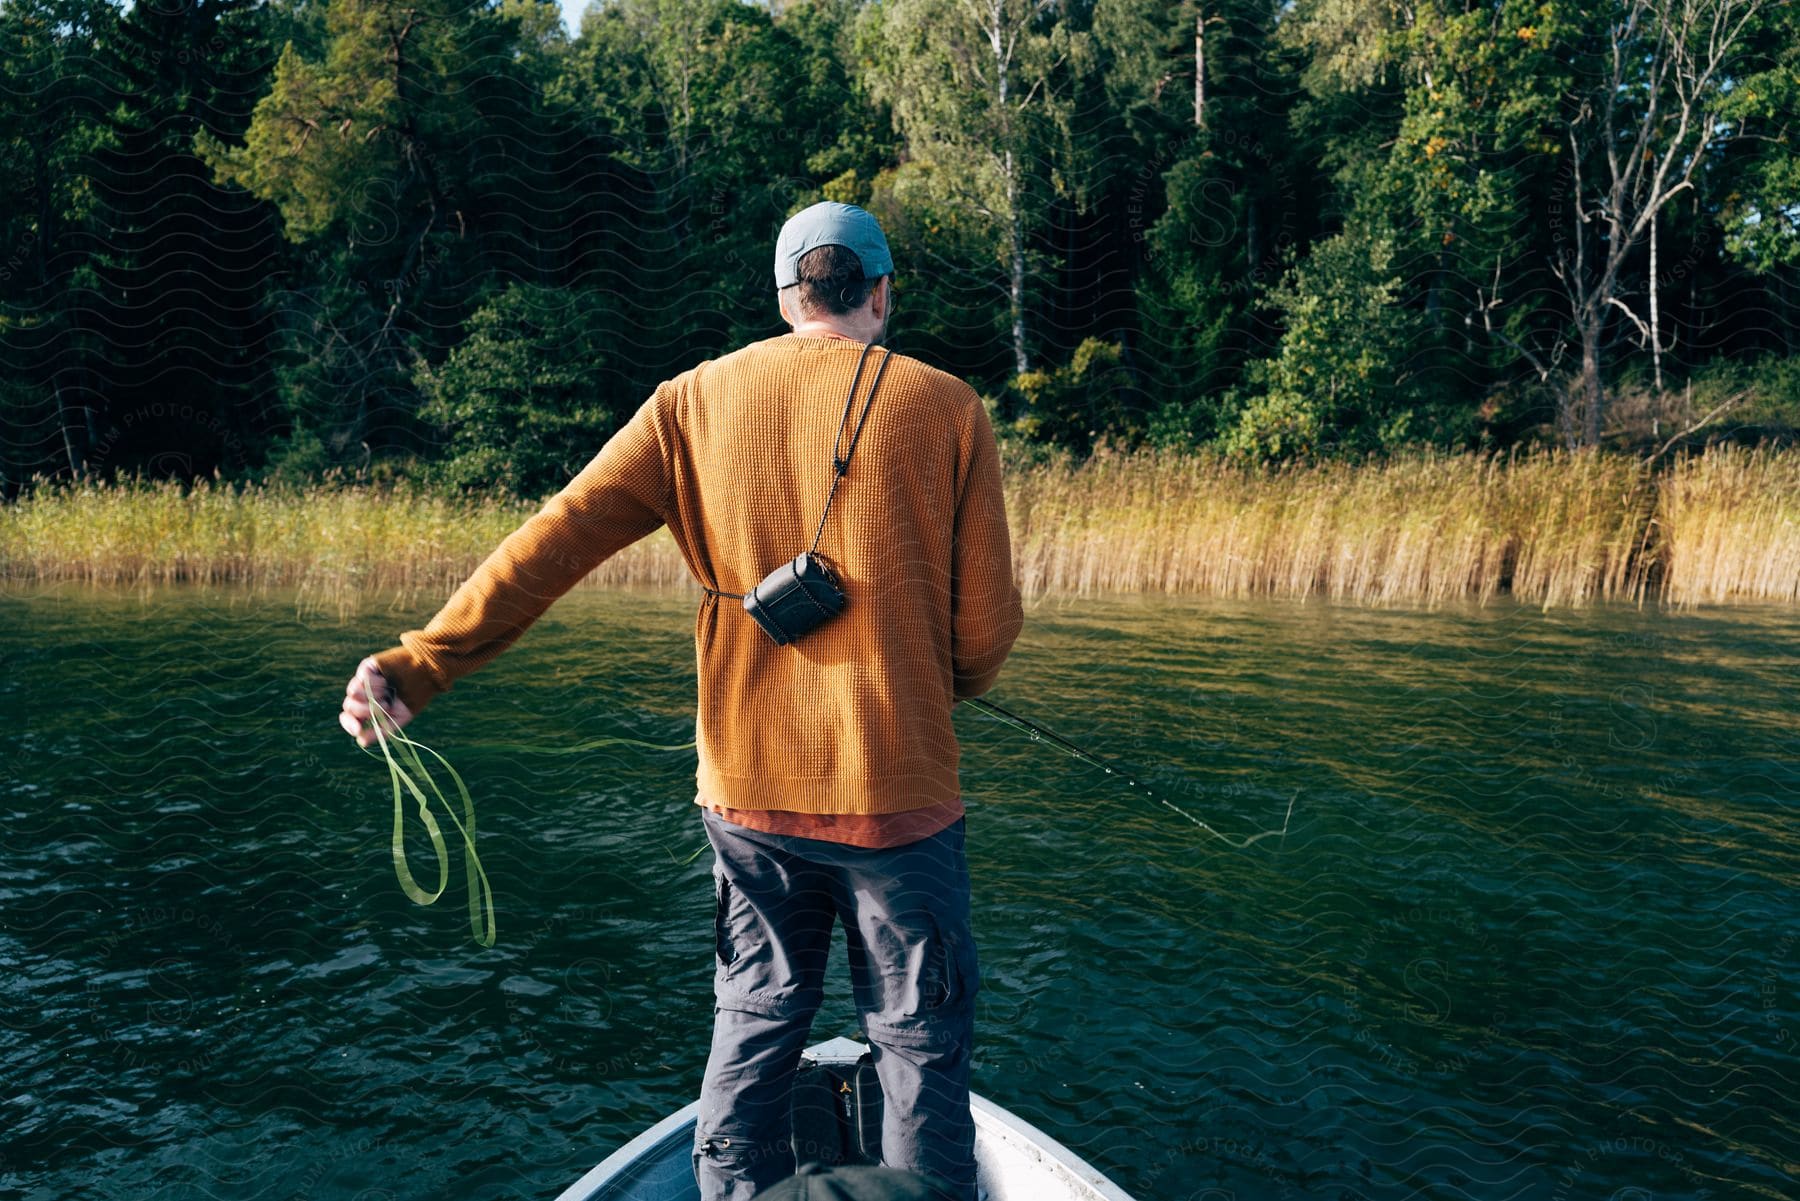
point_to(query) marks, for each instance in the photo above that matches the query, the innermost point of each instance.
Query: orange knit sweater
(734, 455)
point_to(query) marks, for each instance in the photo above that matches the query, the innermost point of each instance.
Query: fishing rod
(1040, 734)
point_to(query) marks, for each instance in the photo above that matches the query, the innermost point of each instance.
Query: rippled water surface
(1532, 932)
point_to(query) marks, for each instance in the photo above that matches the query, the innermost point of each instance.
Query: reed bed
(334, 545)
(1551, 528)
(1730, 525)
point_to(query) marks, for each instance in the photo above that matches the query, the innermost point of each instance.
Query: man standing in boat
(827, 776)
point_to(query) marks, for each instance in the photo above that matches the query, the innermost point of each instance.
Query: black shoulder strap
(838, 465)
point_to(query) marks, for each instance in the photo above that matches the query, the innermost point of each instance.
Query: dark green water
(1532, 934)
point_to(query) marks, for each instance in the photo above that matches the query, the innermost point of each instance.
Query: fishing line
(406, 768)
(1039, 734)
(595, 744)
(591, 745)
(481, 894)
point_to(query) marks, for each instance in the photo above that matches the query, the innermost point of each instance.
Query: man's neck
(814, 329)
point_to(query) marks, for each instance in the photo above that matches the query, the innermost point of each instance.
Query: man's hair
(831, 281)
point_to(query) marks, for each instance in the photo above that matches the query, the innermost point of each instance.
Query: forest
(454, 243)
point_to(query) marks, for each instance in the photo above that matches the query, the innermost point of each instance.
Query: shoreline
(1548, 528)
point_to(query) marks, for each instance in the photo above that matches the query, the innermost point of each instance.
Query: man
(827, 773)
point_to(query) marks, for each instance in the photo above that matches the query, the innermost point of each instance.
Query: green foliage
(352, 235)
(955, 297)
(1137, 39)
(129, 287)
(1220, 203)
(407, 148)
(729, 123)
(1090, 397)
(361, 139)
(849, 130)
(1761, 214)
(1769, 388)
(297, 458)
(1189, 298)
(520, 400)
(1339, 379)
(980, 94)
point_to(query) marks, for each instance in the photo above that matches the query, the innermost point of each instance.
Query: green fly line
(407, 769)
(404, 764)
(595, 744)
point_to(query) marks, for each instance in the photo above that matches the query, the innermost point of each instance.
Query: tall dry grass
(334, 545)
(1730, 527)
(1550, 528)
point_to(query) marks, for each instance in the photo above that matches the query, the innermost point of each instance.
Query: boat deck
(1014, 1160)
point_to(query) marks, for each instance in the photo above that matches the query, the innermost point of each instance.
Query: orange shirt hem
(872, 831)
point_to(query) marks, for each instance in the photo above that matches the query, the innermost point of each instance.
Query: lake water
(1532, 932)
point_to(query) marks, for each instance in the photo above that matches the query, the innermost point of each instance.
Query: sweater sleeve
(986, 613)
(622, 495)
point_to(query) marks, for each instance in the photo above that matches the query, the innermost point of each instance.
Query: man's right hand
(355, 715)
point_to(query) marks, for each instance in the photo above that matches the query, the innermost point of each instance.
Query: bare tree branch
(1635, 319)
(1729, 402)
(1486, 309)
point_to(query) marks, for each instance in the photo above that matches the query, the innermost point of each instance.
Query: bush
(1772, 382)
(1339, 380)
(1089, 398)
(519, 401)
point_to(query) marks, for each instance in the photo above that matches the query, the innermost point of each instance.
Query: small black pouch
(818, 1125)
(863, 1132)
(796, 597)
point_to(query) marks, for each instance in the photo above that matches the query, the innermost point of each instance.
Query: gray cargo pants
(913, 977)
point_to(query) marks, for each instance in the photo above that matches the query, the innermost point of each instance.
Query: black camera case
(796, 597)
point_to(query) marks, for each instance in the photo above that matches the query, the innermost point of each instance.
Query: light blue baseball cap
(831, 223)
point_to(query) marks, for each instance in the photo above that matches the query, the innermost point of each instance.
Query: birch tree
(1645, 127)
(974, 86)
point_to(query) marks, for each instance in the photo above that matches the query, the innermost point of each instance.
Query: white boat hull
(1014, 1160)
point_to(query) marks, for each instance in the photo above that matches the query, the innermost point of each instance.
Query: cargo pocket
(963, 971)
(925, 970)
(722, 945)
(937, 974)
(734, 1166)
